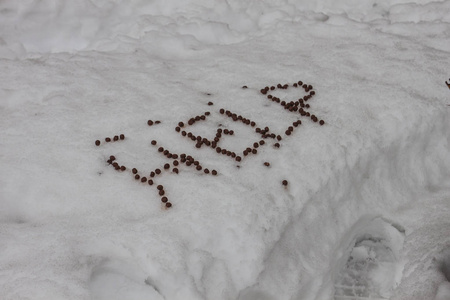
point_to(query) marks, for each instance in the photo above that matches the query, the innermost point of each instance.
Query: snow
(366, 209)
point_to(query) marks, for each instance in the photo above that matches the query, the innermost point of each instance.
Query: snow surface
(366, 210)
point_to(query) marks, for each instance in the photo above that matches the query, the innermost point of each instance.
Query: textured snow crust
(365, 213)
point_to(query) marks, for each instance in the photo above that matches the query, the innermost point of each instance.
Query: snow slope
(365, 212)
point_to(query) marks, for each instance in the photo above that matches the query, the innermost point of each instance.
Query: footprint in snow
(371, 267)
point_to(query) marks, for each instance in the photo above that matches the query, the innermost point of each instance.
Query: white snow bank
(361, 188)
(123, 26)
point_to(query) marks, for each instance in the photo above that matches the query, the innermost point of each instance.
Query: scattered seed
(97, 143)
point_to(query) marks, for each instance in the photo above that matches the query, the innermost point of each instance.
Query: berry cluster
(108, 139)
(299, 106)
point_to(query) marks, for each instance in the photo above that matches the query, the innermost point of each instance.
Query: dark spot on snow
(445, 268)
